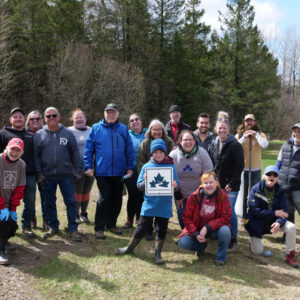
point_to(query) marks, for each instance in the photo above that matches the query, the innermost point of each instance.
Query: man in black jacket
(17, 130)
(56, 155)
(175, 125)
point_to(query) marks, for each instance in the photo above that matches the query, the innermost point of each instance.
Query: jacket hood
(13, 129)
(166, 161)
(262, 183)
(137, 134)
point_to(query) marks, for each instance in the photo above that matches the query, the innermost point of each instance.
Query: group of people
(207, 171)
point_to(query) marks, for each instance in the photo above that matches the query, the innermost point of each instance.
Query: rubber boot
(158, 248)
(129, 248)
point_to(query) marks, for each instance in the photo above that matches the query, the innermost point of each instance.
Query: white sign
(159, 181)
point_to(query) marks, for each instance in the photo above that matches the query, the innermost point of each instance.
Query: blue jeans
(66, 186)
(223, 235)
(255, 178)
(29, 201)
(43, 202)
(180, 211)
(233, 221)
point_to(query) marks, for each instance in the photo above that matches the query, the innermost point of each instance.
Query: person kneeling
(12, 185)
(268, 214)
(207, 215)
(158, 207)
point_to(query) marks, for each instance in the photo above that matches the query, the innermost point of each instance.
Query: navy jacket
(56, 152)
(259, 210)
(112, 147)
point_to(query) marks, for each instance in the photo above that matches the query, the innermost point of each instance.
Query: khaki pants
(289, 229)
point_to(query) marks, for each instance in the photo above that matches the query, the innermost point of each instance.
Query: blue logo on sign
(160, 181)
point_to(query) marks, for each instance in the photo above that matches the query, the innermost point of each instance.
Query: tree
(246, 78)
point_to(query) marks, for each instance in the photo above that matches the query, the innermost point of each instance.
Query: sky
(273, 17)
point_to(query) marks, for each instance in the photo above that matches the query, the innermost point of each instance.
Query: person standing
(135, 197)
(17, 120)
(249, 132)
(175, 125)
(56, 155)
(83, 186)
(12, 185)
(203, 135)
(109, 142)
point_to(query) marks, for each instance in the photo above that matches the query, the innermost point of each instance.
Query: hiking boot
(28, 233)
(75, 236)
(45, 225)
(219, 263)
(158, 248)
(149, 236)
(233, 245)
(3, 258)
(84, 218)
(50, 232)
(127, 225)
(115, 230)
(99, 235)
(291, 260)
(128, 249)
(33, 223)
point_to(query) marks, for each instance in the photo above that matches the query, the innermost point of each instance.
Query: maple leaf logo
(160, 181)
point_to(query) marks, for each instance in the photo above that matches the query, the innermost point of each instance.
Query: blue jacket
(156, 206)
(112, 147)
(259, 208)
(136, 141)
(56, 152)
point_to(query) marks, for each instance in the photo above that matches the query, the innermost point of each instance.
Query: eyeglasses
(35, 119)
(272, 174)
(188, 140)
(51, 116)
(156, 130)
(134, 120)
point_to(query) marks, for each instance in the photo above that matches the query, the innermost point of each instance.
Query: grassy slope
(90, 270)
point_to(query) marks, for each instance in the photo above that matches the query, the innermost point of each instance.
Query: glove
(41, 180)
(4, 214)
(13, 215)
(77, 176)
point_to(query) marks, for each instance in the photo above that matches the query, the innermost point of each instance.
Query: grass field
(60, 269)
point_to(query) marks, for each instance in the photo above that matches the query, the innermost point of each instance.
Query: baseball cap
(17, 109)
(111, 106)
(174, 108)
(15, 142)
(297, 125)
(269, 169)
(249, 116)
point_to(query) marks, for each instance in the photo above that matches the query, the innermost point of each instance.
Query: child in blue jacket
(158, 207)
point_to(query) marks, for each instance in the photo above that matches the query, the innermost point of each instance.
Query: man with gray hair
(56, 155)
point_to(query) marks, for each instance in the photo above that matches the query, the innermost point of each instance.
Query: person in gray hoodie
(191, 161)
(56, 155)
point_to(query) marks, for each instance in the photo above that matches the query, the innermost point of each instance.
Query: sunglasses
(134, 120)
(272, 174)
(35, 119)
(51, 116)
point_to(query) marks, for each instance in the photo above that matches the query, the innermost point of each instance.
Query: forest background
(145, 55)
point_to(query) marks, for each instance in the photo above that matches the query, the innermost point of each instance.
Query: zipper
(112, 152)
(54, 135)
(117, 142)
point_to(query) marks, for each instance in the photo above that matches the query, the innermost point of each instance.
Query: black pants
(110, 202)
(145, 223)
(135, 198)
(7, 230)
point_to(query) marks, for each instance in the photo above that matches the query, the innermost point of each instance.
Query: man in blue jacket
(109, 147)
(56, 155)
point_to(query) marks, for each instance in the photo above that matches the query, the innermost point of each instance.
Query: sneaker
(28, 233)
(291, 260)
(115, 230)
(3, 259)
(149, 236)
(50, 232)
(127, 225)
(75, 236)
(233, 245)
(33, 223)
(219, 263)
(78, 220)
(84, 218)
(99, 235)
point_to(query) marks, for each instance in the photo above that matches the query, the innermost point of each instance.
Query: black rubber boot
(158, 248)
(128, 249)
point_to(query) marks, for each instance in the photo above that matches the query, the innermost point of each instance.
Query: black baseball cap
(111, 106)
(17, 109)
(174, 108)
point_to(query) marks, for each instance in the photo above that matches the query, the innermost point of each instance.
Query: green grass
(61, 269)
(269, 155)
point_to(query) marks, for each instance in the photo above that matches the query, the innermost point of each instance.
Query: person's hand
(77, 175)
(130, 173)
(4, 214)
(174, 184)
(13, 215)
(145, 176)
(201, 237)
(179, 203)
(227, 188)
(248, 133)
(275, 227)
(280, 213)
(89, 172)
(41, 180)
